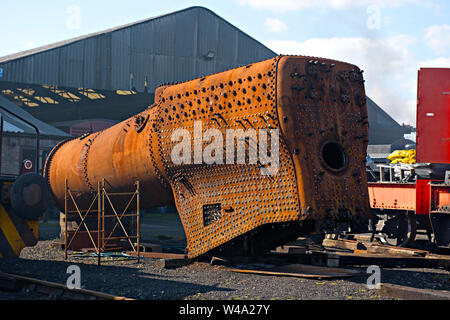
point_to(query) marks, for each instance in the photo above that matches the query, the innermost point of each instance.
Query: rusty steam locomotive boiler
(311, 176)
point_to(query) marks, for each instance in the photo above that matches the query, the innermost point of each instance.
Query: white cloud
(388, 63)
(438, 38)
(294, 5)
(409, 84)
(435, 63)
(275, 25)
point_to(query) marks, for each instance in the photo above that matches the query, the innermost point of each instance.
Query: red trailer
(433, 116)
(417, 197)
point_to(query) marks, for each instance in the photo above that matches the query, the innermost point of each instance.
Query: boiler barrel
(120, 155)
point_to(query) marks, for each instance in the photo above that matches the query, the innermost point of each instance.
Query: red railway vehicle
(417, 197)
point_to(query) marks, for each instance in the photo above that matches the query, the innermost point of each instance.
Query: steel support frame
(101, 196)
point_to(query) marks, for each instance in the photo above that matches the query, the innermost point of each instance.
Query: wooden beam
(157, 255)
(372, 248)
(172, 263)
(344, 244)
(301, 271)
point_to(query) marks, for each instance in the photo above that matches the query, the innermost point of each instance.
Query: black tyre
(30, 196)
(400, 230)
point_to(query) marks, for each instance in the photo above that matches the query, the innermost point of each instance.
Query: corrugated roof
(63, 43)
(44, 129)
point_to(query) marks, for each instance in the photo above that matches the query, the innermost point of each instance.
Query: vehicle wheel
(400, 230)
(30, 196)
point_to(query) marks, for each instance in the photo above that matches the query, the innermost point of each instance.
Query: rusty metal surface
(319, 107)
(323, 102)
(103, 232)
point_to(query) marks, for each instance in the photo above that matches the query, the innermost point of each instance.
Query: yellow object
(17, 233)
(403, 156)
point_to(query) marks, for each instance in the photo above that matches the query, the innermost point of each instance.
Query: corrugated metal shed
(175, 47)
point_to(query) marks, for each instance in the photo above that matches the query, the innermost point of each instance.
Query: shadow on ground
(127, 281)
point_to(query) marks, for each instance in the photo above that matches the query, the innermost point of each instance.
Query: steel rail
(54, 290)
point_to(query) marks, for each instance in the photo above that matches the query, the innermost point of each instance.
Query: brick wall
(17, 146)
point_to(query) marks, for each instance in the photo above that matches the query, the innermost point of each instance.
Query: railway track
(54, 291)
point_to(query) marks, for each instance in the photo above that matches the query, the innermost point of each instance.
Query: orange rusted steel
(319, 108)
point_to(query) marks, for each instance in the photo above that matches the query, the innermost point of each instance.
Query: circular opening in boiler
(334, 156)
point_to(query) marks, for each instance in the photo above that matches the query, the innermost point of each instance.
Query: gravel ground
(200, 280)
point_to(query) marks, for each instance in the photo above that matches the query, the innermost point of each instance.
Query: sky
(389, 39)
